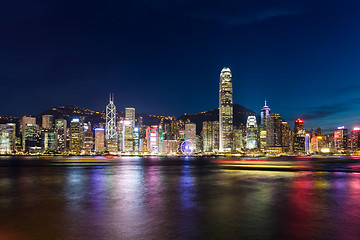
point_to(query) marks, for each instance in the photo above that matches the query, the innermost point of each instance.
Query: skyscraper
(299, 136)
(190, 132)
(99, 140)
(210, 135)
(355, 139)
(48, 138)
(152, 139)
(111, 119)
(31, 137)
(277, 134)
(128, 136)
(111, 134)
(265, 114)
(130, 116)
(75, 136)
(7, 138)
(225, 110)
(88, 143)
(26, 120)
(251, 133)
(340, 139)
(129, 125)
(60, 130)
(47, 121)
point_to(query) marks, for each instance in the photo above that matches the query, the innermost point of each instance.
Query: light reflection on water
(174, 198)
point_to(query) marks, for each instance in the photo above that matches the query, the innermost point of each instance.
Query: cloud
(230, 12)
(330, 110)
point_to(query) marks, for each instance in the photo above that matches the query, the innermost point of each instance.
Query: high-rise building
(31, 137)
(128, 130)
(340, 139)
(60, 130)
(75, 136)
(262, 139)
(190, 132)
(170, 146)
(277, 134)
(47, 122)
(7, 138)
(355, 139)
(225, 110)
(48, 138)
(299, 136)
(128, 136)
(307, 143)
(99, 140)
(111, 119)
(152, 139)
(130, 116)
(136, 139)
(121, 132)
(210, 135)
(265, 114)
(251, 133)
(26, 120)
(285, 136)
(110, 129)
(88, 142)
(239, 138)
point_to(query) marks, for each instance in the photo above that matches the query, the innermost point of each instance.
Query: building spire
(265, 101)
(111, 97)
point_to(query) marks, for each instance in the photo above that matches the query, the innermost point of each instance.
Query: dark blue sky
(165, 57)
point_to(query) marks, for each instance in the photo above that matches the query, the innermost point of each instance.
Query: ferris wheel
(187, 147)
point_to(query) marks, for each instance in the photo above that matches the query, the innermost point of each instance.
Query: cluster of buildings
(128, 135)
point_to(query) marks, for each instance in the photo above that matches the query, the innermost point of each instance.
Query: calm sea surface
(176, 198)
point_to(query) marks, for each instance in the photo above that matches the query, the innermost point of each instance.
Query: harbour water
(176, 198)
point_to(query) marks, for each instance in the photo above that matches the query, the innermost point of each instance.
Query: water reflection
(176, 198)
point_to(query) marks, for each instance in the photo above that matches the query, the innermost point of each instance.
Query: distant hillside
(70, 112)
(240, 116)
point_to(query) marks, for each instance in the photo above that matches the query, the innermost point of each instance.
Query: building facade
(251, 133)
(225, 111)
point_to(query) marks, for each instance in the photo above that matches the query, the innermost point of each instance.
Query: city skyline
(164, 58)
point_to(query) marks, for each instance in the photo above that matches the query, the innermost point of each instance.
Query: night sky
(164, 57)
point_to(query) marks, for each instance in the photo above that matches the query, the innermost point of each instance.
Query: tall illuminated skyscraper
(130, 115)
(31, 137)
(251, 133)
(111, 119)
(75, 136)
(110, 129)
(129, 125)
(210, 134)
(99, 140)
(355, 139)
(225, 110)
(60, 130)
(340, 139)
(265, 113)
(7, 138)
(277, 133)
(299, 136)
